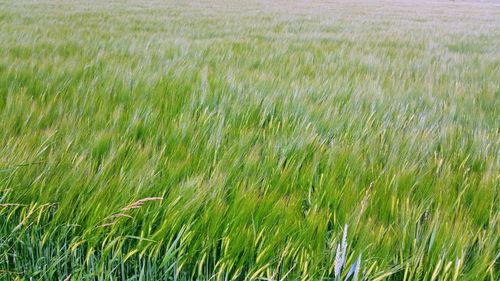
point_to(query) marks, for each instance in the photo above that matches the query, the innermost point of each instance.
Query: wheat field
(249, 140)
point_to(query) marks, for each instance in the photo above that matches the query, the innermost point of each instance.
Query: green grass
(167, 140)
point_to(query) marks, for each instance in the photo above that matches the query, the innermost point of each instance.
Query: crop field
(249, 140)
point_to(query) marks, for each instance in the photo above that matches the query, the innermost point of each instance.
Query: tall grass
(214, 140)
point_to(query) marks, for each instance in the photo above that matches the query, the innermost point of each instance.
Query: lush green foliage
(216, 139)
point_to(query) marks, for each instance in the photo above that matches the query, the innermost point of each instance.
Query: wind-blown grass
(152, 140)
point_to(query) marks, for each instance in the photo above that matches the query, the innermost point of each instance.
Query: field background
(149, 140)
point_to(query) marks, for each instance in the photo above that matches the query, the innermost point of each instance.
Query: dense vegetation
(150, 140)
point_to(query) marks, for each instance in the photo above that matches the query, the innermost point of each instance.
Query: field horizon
(249, 140)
